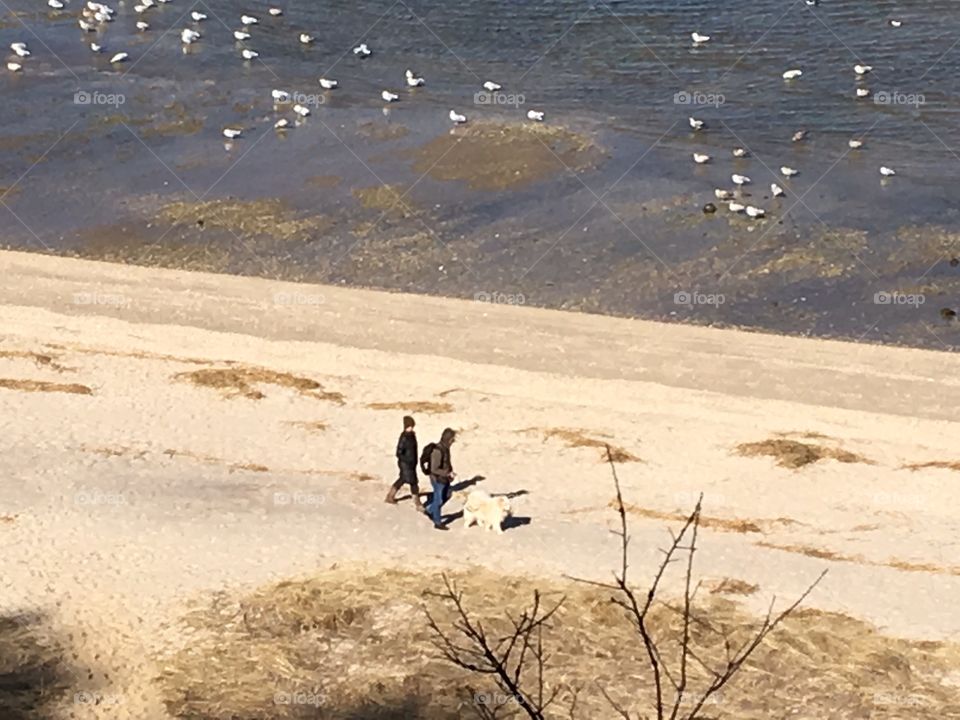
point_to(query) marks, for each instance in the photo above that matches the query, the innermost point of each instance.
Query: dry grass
(138, 354)
(246, 218)
(243, 381)
(794, 454)
(722, 524)
(732, 586)
(115, 451)
(937, 464)
(39, 359)
(574, 438)
(311, 425)
(44, 386)
(414, 406)
(357, 639)
(387, 199)
(32, 674)
(824, 554)
(7, 519)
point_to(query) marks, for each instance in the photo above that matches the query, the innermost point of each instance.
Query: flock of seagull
(733, 198)
(95, 15)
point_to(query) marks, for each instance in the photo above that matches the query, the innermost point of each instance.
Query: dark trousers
(408, 476)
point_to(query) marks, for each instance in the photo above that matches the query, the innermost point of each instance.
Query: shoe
(440, 527)
(391, 498)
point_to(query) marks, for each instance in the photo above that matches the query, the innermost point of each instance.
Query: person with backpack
(407, 462)
(435, 461)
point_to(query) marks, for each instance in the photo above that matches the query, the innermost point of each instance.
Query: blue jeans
(441, 493)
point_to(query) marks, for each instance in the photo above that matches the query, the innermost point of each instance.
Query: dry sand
(169, 434)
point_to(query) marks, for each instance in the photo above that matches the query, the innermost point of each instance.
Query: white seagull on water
(281, 124)
(788, 171)
(55, 4)
(413, 80)
(491, 86)
(696, 124)
(862, 69)
(14, 67)
(249, 54)
(328, 84)
(248, 20)
(736, 207)
(722, 194)
(776, 190)
(740, 152)
(855, 144)
(792, 74)
(241, 35)
(699, 39)
(362, 50)
(755, 212)
(96, 48)
(119, 57)
(740, 180)
(306, 39)
(275, 11)
(188, 36)
(389, 96)
(280, 96)
(863, 92)
(231, 133)
(457, 118)
(535, 115)
(887, 172)
(20, 48)
(198, 16)
(301, 110)
(701, 158)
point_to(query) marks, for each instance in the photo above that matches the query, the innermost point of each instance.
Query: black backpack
(425, 458)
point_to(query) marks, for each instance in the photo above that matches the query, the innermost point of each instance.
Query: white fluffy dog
(485, 511)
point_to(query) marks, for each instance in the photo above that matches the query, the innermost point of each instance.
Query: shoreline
(209, 399)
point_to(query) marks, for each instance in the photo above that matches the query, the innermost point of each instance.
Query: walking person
(441, 475)
(407, 462)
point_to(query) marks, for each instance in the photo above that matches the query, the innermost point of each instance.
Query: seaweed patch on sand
(266, 217)
(501, 156)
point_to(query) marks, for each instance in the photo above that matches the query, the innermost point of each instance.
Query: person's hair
(408, 422)
(448, 435)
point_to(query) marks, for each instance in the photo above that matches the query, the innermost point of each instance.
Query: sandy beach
(167, 435)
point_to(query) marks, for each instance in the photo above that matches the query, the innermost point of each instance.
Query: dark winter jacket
(407, 452)
(440, 465)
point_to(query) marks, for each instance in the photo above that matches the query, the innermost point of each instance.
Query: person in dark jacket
(407, 458)
(441, 475)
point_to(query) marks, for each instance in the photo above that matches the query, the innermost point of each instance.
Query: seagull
(84, 25)
(457, 118)
(362, 50)
(248, 20)
(813, 3)
(275, 11)
(799, 135)
(736, 207)
(788, 171)
(14, 67)
(389, 96)
(699, 39)
(119, 57)
(740, 152)
(96, 48)
(301, 110)
(755, 212)
(280, 96)
(862, 69)
(198, 16)
(328, 84)
(20, 48)
(231, 133)
(535, 115)
(696, 124)
(281, 124)
(249, 54)
(55, 4)
(740, 179)
(413, 80)
(722, 194)
(863, 92)
(792, 74)
(776, 190)
(241, 35)
(188, 36)
(701, 159)
(143, 26)
(490, 86)
(896, 23)
(855, 144)
(887, 172)
(306, 39)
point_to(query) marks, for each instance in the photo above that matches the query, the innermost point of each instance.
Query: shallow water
(622, 233)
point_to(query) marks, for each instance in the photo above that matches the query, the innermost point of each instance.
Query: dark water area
(600, 208)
